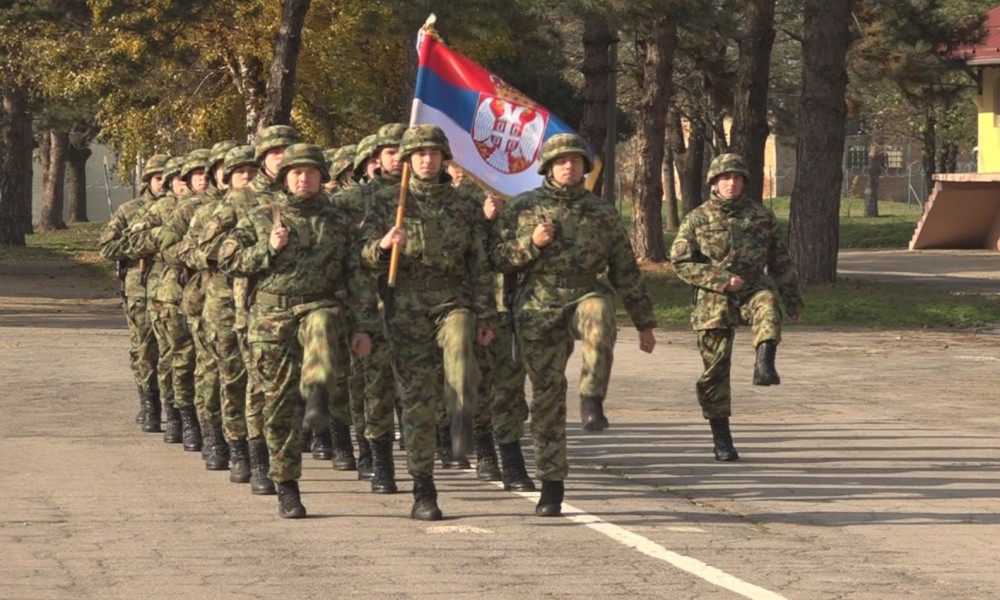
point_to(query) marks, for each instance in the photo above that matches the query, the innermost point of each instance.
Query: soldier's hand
(647, 341)
(484, 335)
(492, 207)
(795, 317)
(735, 284)
(396, 235)
(543, 234)
(278, 238)
(361, 344)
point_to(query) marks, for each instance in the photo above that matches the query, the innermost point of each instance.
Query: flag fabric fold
(496, 132)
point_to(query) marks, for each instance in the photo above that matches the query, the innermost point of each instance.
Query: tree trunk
(281, 80)
(647, 204)
(54, 147)
(673, 214)
(928, 153)
(748, 136)
(597, 37)
(15, 163)
(247, 75)
(76, 183)
(692, 169)
(876, 159)
(815, 208)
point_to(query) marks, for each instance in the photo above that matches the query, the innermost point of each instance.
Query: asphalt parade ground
(871, 472)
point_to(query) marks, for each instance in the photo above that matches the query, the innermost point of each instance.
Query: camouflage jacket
(357, 199)
(164, 281)
(720, 239)
(590, 241)
(317, 269)
(114, 240)
(178, 254)
(445, 253)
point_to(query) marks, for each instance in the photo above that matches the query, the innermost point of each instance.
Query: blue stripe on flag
(458, 103)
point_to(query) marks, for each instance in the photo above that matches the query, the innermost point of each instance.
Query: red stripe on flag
(454, 68)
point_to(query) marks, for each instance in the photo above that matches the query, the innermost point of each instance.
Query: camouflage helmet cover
(218, 152)
(727, 163)
(365, 150)
(154, 164)
(275, 136)
(299, 155)
(420, 137)
(341, 160)
(390, 134)
(236, 157)
(196, 159)
(563, 144)
(172, 168)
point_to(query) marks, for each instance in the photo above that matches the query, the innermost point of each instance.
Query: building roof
(987, 51)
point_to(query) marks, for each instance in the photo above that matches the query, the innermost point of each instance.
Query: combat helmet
(236, 157)
(275, 136)
(298, 155)
(727, 163)
(154, 164)
(390, 134)
(172, 168)
(419, 137)
(364, 151)
(196, 159)
(340, 160)
(564, 144)
(218, 153)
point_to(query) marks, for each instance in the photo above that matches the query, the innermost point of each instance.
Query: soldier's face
(242, 176)
(729, 185)
(217, 174)
(199, 181)
(568, 170)
(272, 158)
(156, 183)
(371, 167)
(426, 163)
(388, 157)
(177, 186)
(303, 181)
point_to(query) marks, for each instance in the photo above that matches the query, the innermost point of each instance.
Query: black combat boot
(190, 429)
(723, 439)
(289, 501)
(487, 467)
(343, 451)
(384, 470)
(317, 414)
(399, 423)
(763, 368)
(515, 476)
(218, 451)
(260, 464)
(322, 445)
(305, 437)
(172, 431)
(140, 417)
(592, 413)
(239, 461)
(151, 408)
(365, 460)
(425, 507)
(445, 453)
(550, 502)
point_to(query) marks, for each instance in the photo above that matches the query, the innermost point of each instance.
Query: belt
(566, 281)
(429, 284)
(283, 301)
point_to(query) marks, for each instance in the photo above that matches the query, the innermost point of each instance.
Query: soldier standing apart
(142, 347)
(442, 298)
(559, 237)
(302, 254)
(732, 253)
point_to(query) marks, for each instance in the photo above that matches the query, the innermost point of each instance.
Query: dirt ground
(872, 472)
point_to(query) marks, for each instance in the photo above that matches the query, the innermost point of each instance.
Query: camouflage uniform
(300, 301)
(142, 348)
(717, 240)
(561, 299)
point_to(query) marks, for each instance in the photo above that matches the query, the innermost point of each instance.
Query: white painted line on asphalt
(650, 548)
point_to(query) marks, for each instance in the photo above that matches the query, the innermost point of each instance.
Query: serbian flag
(496, 132)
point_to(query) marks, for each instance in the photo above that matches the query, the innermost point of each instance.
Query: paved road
(872, 472)
(960, 270)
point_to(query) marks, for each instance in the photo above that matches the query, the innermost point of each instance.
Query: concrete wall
(988, 125)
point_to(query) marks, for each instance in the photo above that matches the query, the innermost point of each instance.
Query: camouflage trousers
(206, 375)
(333, 371)
(421, 345)
(224, 345)
(143, 351)
(502, 407)
(380, 395)
(254, 401)
(762, 312)
(546, 340)
(176, 349)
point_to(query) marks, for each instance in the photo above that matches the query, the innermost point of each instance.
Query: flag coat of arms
(496, 132)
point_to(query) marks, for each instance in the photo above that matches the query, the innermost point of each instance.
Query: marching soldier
(732, 253)
(558, 238)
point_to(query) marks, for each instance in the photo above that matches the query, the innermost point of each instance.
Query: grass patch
(78, 243)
